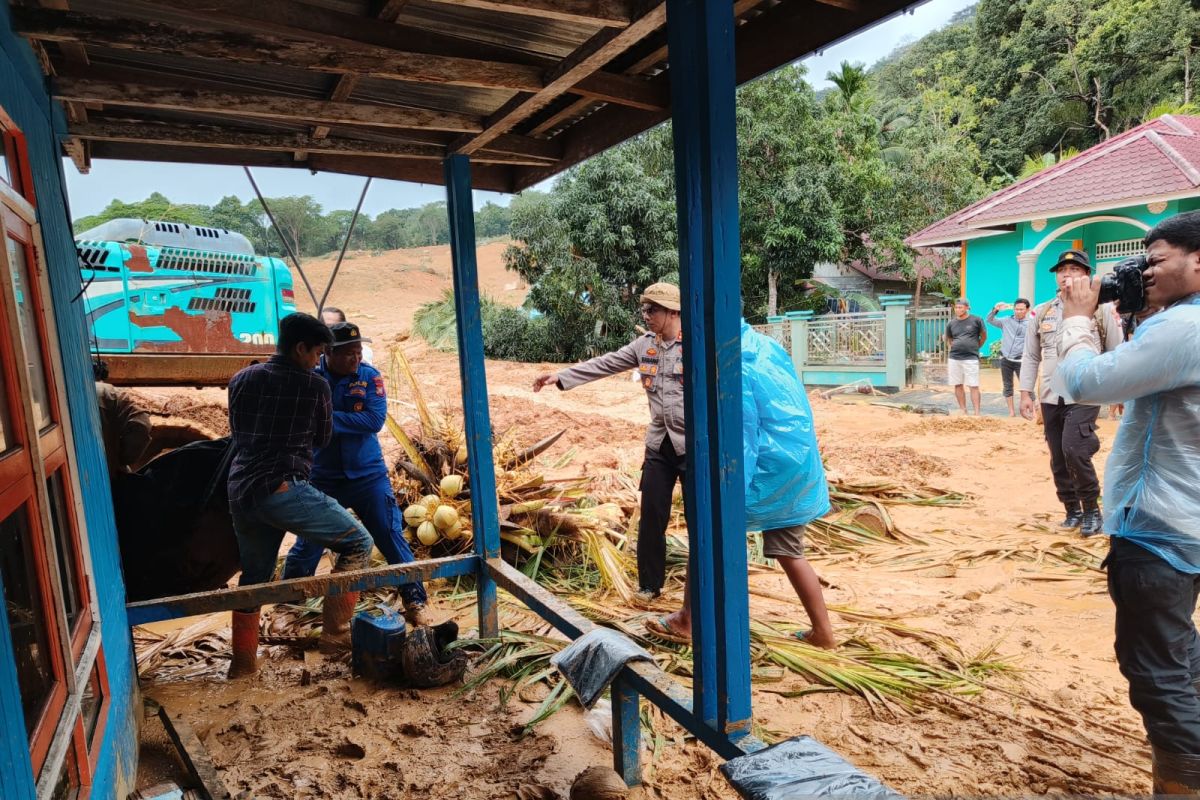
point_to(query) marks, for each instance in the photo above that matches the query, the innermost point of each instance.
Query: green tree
(154, 207)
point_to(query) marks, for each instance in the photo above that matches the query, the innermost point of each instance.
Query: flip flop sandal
(657, 626)
(803, 636)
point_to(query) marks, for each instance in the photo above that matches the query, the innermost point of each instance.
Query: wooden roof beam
(609, 13)
(225, 138)
(589, 58)
(292, 109)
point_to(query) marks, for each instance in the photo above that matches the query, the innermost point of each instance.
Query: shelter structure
(1101, 201)
(496, 94)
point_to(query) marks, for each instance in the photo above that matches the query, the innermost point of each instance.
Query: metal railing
(779, 331)
(925, 335)
(847, 339)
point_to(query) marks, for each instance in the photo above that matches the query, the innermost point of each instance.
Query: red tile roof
(1157, 159)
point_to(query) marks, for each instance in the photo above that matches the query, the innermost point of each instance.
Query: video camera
(1124, 285)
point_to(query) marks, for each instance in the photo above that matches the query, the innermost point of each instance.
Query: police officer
(1070, 428)
(657, 355)
(351, 469)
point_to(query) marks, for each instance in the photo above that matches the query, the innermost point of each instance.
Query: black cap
(346, 333)
(1077, 257)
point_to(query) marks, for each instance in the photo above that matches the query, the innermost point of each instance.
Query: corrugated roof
(1158, 159)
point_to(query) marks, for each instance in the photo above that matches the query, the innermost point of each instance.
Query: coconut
(460, 456)
(452, 485)
(444, 517)
(427, 533)
(454, 532)
(431, 502)
(598, 783)
(415, 514)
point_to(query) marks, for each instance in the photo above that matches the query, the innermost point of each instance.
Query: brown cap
(1076, 257)
(662, 294)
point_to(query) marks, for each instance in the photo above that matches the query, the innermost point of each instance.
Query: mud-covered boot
(1073, 518)
(1176, 774)
(1092, 520)
(335, 626)
(245, 644)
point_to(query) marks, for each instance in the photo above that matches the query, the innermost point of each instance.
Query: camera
(1124, 285)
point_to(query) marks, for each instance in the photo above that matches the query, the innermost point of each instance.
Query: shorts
(784, 542)
(962, 372)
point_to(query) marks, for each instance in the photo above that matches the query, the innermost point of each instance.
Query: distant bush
(508, 333)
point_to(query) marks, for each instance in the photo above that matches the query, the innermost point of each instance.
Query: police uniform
(660, 366)
(351, 470)
(1069, 428)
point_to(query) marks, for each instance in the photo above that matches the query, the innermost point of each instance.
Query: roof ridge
(1184, 166)
(1179, 127)
(1061, 168)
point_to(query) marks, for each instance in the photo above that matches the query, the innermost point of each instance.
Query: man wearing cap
(657, 355)
(351, 469)
(1070, 428)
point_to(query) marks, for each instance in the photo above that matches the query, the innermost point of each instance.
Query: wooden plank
(188, 605)
(611, 13)
(346, 56)
(627, 91)
(77, 150)
(771, 39)
(390, 11)
(197, 136)
(589, 58)
(296, 109)
(314, 23)
(199, 765)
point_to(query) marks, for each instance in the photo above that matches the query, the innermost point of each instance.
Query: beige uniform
(660, 366)
(1041, 344)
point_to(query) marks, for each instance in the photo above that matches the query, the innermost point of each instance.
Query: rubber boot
(335, 626)
(245, 644)
(1073, 518)
(1091, 521)
(1176, 774)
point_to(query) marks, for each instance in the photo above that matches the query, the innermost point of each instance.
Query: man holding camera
(1152, 488)
(1069, 427)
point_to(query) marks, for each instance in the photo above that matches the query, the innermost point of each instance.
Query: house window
(49, 606)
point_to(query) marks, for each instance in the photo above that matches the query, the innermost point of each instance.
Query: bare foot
(678, 624)
(823, 639)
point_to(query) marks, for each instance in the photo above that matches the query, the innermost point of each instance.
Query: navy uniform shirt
(359, 412)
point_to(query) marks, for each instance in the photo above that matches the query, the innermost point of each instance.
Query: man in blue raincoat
(351, 469)
(785, 480)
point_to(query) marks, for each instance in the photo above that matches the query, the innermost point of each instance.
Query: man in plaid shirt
(278, 412)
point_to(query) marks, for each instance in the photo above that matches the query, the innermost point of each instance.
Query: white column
(1027, 261)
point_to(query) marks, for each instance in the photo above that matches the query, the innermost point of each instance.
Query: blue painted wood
(648, 680)
(24, 96)
(485, 515)
(298, 589)
(700, 37)
(16, 776)
(627, 731)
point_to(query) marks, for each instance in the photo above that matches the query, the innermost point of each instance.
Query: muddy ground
(1059, 721)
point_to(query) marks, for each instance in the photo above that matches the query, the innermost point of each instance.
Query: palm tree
(851, 82)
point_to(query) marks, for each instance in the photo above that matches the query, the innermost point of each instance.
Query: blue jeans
(374, 502)
(1157, 645)
(305, 511)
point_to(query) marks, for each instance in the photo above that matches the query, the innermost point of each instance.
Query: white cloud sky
(189, 183)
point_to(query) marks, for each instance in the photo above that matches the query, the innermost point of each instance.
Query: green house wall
(992, 269)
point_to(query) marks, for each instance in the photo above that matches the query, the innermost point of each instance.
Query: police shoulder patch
(379, 390)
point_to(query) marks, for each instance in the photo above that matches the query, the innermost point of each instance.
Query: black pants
(660, 470)
(1008, 369)
(1071, 433)
(1157, 646)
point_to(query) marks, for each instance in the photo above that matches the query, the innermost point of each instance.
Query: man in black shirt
(279, 411)
(965, 334)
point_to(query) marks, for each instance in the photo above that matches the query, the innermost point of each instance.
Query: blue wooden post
(700, 38)
(627, 732)
(16, 773)
(485, 516)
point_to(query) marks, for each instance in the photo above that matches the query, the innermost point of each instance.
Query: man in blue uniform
(351, 469)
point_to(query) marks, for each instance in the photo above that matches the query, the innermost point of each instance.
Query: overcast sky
(186, 183)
